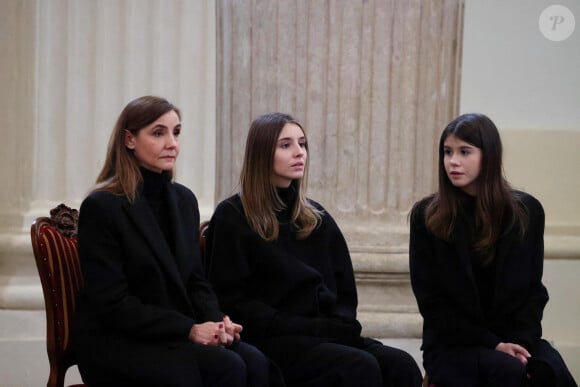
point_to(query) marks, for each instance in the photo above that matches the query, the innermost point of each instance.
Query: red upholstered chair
(54, 244)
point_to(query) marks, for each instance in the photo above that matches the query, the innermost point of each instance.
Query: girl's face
(156, 146)
(290, 156)
(462, 163)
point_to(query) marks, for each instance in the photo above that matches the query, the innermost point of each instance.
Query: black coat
(455, 317)
(288, 294)
(137, 289)
(444, 284)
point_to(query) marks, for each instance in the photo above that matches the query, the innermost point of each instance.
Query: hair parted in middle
(494, 198)
(258, 194)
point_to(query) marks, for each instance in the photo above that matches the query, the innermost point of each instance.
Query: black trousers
(482, 367)
(364, 363)
(181, 365)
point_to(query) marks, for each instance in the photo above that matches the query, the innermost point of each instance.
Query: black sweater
(289, 290)
(447, 287)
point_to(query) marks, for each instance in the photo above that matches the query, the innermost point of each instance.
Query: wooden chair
(203, 226)
(54, 244)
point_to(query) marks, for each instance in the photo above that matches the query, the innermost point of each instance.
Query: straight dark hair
(496, 202)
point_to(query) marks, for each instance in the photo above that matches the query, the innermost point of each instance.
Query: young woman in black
(281, 267)
(476, 260)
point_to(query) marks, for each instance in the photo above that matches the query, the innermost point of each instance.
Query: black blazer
(444, 285)
(136, 287)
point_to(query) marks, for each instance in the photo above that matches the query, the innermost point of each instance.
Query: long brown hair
(496, 202)
(120, 174)
(259, 196)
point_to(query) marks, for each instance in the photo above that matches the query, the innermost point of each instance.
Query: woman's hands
(221, 333)
(515, 350)
(233, 330)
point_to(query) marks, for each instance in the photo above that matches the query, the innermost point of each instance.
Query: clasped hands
(222, 333)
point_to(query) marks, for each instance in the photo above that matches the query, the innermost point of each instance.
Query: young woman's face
(290, 156)
(462, 162)
(156, 146)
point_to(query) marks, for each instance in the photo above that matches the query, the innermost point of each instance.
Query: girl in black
(280, 265)
(476, 261)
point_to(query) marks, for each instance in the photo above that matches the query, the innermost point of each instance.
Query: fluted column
(373, 82)
(73, 65)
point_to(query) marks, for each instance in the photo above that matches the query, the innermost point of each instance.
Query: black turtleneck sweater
(483, 267)
(154, 190)
(284, 216)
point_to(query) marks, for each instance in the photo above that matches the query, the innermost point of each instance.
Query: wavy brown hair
(120, 173)
(496, 202)
(259, 196)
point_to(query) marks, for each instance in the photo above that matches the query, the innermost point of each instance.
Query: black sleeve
(525, 323)
(341, 321)
(347, 298)
(201, 293)
(229, 270)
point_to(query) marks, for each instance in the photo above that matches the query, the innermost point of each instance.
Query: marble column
(373, 82)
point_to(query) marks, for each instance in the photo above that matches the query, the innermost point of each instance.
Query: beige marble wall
(17, 76)
(545, 163)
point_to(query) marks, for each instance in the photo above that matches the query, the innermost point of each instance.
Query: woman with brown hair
(280, 265)
(147, 316)
(476, 261)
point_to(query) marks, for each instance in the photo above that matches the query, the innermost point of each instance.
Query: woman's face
(462, 162)
(156, 146)
(290, 156)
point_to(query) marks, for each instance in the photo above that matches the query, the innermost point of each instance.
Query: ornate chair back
(54, 244)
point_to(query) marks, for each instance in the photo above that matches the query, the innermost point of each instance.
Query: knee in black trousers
(398, 368)
(503, 370)
(258, 366)
(334, 365)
